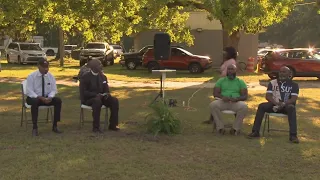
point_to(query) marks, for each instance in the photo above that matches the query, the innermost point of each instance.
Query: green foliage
(94, 20)
(300, 29)
(18, 18)
(99, 20)
(162, 120)
(250, 16)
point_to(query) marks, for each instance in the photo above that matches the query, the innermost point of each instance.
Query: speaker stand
(161, 92)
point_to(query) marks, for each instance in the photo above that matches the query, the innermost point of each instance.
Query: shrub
(162, 120)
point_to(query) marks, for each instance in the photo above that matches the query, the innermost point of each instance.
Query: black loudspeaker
(162, 46)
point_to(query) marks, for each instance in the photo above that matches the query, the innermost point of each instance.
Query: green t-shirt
(231, 88)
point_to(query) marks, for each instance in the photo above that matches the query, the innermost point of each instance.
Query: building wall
(207, 39)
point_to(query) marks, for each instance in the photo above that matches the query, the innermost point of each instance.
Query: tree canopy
(300, 29)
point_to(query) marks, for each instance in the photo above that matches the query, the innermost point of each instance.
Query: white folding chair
(226, 125)
(267, 119)
(25, 107)
(85, 107)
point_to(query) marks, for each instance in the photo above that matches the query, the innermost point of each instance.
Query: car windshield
(316, 55)
(185, 51)
(116, 47)
(95, 46)
(68, 47)
(34, 47)
(144, 49)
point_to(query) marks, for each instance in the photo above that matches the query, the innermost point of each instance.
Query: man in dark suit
(94, 92)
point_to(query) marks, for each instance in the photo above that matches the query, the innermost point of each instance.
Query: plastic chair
(267, 119)
(26, 106)
(85, 107)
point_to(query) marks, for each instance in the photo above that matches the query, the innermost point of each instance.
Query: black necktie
(42, 85)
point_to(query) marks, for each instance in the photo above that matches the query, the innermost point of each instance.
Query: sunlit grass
(196, 153)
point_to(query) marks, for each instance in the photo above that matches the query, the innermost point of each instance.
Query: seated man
(83, 70)
(94, 92)
(281, 95)
(41, 91)
(232, 92)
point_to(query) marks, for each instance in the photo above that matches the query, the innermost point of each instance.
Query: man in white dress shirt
(41, 91)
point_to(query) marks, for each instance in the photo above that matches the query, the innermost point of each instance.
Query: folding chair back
(23, 91)
(25, 106)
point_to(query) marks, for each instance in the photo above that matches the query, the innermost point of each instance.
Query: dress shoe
(294, 139)
(115, 128)
(56, 130)
(97, 130)
(35, 132)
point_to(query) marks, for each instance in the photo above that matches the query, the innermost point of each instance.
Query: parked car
(68, 49)
(118, 50)
(99, 50)
(133, 60)
(19, 52)
(50, 51)
(180, 59)
(303, 62)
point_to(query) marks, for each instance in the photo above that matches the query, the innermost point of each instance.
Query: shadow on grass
(134, 104)
(130, 154)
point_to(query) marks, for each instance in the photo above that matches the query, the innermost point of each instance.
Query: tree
(18, 19)
(250, 16)
(110, 20)
(300, 29)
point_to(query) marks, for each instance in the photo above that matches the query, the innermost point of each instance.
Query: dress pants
(35, 103)
(96, 104)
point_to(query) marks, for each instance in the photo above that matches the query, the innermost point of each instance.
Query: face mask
(95, 74)
(231, 75)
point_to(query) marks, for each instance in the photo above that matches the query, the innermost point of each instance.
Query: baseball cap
(43, 63)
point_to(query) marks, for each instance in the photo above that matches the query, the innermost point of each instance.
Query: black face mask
(231, 75)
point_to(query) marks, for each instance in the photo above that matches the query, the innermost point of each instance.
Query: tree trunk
(225, 36)
(233, 39)
(230, 39)
(61, 46)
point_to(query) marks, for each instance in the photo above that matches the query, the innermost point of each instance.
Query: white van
(18, 52)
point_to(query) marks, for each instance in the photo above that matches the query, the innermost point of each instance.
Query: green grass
(196, 153)
(116, 72)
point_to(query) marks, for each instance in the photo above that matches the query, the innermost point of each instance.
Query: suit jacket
(91, 85)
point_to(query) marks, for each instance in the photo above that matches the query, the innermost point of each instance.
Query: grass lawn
(116, 72)
(196, 153)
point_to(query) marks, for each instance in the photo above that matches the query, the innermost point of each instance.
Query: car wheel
(19, 60)
(195, 68)
(50, 52)
(273, 76)
(8, 59)
(131, 65)
(153, 66)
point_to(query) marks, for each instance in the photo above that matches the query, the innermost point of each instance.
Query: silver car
(21, 53)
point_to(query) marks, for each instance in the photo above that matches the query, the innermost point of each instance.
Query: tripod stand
(161, 93)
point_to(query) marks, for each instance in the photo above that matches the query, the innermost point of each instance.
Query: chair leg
(80, 122)
(26, 117)
(268, 124)
(48, 114)
(106, 120)
(21, 123)
(51, 115)
(264, 126)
